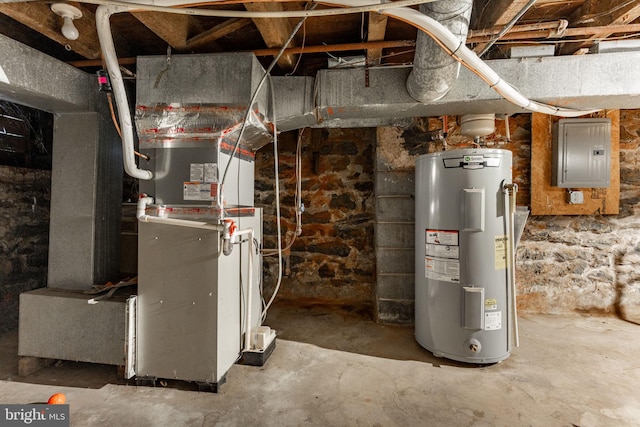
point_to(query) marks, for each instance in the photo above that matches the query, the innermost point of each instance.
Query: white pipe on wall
(247, 329)
(142, 217)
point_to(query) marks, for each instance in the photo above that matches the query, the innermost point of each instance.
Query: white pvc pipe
(510, 207)
(142, 217)
(467, 57)
(247, 328)
(173, 6)
(106, 43)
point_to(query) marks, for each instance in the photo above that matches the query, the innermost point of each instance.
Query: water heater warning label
(442, 255)
(501, 247)
(447, 270)
(493, 321)
(442, 237)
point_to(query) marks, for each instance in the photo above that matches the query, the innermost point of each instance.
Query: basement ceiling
(573, 27)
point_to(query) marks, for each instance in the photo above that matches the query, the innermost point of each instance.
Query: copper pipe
(569, 32)
(270, 52)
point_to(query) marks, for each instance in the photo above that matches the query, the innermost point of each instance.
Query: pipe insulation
(435, 70)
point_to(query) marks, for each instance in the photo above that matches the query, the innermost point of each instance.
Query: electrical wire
(304, 39)
(278, 227)
(297, 199)
(257, 91)
(117, 126)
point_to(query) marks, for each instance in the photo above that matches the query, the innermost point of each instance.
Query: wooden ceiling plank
(211, 35)
(376, 32)
(497, 13)
(40, 18)
(275, 32)
(601, 13)
(170, 27)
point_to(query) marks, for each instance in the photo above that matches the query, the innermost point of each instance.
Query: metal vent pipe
(434, 70)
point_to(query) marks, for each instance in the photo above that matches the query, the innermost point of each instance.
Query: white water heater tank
(463, 301)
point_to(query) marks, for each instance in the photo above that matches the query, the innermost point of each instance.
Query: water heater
(464, 301)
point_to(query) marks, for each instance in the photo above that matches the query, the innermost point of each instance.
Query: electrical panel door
(582, 153)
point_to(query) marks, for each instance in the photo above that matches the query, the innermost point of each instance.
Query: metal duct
(434, 70)
(196, 100)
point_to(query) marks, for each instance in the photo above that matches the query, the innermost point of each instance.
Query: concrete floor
(334, 367)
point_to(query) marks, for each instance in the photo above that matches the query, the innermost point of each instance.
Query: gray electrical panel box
(581, 153)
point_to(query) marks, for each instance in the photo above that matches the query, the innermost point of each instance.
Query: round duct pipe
(434, 70)
(477, 125)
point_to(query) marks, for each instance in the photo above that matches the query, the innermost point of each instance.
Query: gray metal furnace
(199, 306)
(192, 303)
(464, 301)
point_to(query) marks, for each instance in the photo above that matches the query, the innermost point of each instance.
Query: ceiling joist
(211, 35)
(39, 17)
(275, 32)
(601, 13)
(376, 32)
(172, 28)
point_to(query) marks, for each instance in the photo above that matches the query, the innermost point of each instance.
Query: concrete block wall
(394, 234)
(333, 261)
(24, 237)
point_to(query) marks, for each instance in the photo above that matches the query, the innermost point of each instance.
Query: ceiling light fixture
(68, 13)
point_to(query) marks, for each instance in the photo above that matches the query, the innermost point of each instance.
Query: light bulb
(69, 30)
(68, 13)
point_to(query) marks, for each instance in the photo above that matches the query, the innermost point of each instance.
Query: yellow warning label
(501, 252)
(491, 304)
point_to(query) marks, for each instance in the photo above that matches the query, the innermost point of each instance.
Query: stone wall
(588, 263)
(24, 237)
(333, 260)
(564, 263)
(357, 242)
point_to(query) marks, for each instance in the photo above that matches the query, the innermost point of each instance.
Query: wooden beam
(172, 28)
(275, 32)
(601, 13)
(339, 47)
(293, 50)
(489, 32)
(211, 35)
(39, 17)
(376, 32)
(497, 13)
(517, 34)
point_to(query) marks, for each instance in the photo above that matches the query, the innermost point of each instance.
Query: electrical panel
(581, 153)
